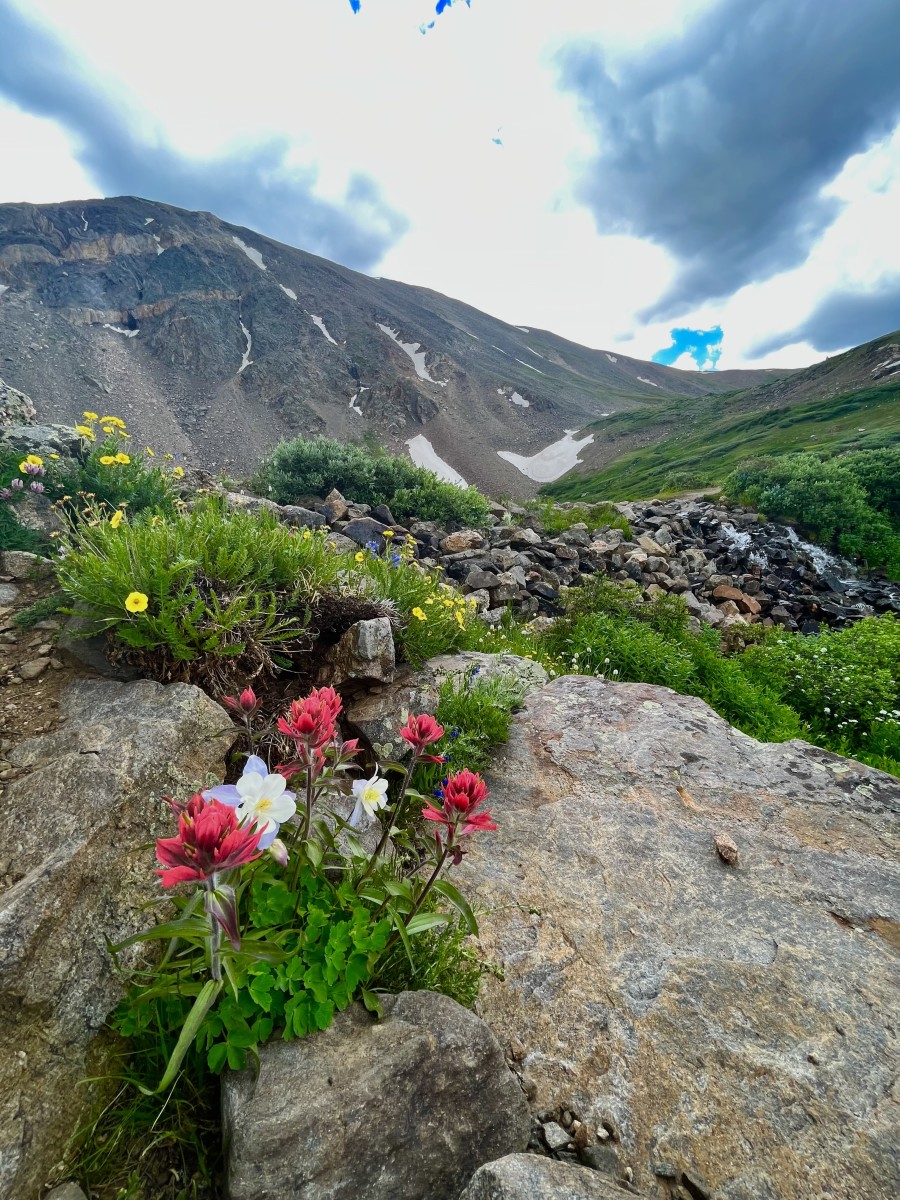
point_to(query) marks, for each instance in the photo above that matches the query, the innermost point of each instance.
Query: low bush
(596, 516)
(829, 500)
(206, 595)
(312, 467)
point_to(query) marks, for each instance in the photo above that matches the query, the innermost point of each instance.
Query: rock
(381, 512)
(78, 836)
(9, 593)
(304, 518)
(726, 848)
(43, 440)
(364, 653)
(343, 545)
(16, 409)
(668, 996)
(22, 565)
(555, 1136)
(408, 1107)
(66, 1191)
(334, 507)
(650, 545)
(479, 580)
(465, 539)
(91, 651)
(32, 669)
(363, 530)
(533, 1177)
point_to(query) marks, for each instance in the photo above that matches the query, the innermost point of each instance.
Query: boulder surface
(77, 842)
(730, 1025)
(533, 1177)
(406, 1108)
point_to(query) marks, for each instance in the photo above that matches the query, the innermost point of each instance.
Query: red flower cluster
(245, 705)
(461, 794)
(312, 721)
(420, 732)
(209, 840)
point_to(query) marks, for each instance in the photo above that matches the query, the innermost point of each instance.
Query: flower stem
(390, 822)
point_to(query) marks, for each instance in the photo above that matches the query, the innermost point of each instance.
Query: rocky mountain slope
(215, 342)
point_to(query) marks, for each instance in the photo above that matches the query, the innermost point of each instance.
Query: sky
(709, 183)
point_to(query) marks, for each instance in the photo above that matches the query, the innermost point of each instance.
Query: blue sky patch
(704, 346)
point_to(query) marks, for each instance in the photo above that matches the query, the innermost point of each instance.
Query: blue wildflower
(373, 546)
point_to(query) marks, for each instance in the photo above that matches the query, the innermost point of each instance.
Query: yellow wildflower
(448, 604)
(168, 456)
(123, 458)
(417, 612)
(306, 535)
(89, 416)
(179, 471)
(34, 460)
(108, 460)
(136, 602)
(459, 619)
(54, 456)
(388, 533)
(150, 452)
(359, 556)
(117, 421)
(85, 431)
(116, 519)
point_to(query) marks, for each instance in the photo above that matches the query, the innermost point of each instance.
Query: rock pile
(729, 566)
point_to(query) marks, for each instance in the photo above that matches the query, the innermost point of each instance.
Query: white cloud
(495, 226)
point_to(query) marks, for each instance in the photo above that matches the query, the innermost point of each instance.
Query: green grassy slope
(696, 441)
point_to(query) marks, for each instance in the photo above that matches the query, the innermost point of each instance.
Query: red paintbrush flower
(312, 720)
(245, 705)
(209, 840)
(460, 795)
(421, 731)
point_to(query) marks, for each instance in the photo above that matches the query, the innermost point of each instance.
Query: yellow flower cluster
(33, 460)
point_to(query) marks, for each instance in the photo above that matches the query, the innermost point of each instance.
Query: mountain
(849, 402)
(215, 342)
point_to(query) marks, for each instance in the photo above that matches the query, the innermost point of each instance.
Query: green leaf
(459, 902)
(423, 921)
(400, 927)
(372, 1002)
(215, 1059)
(190, 1029)
(172, 929)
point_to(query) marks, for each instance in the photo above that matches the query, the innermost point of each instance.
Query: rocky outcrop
(15, 407)
(531, 1177)
(75, 847)
(406, 1108)
(726, 1022)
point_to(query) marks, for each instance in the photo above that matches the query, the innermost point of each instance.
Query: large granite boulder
(697, 937)
(76, 840)
(405, 1108)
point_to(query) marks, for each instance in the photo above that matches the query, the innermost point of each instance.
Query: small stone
(33, 668)
(44, 648)
(516, 1050)
(56, 665)
(465, 539)
(567, 1118)
(66, 1191)
(581, 1135)
(554, 1135)
(726, 849)
(813, 1058)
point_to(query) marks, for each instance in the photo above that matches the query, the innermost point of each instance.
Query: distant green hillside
(849, 402)
(708, 447)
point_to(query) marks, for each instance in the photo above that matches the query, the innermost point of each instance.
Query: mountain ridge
(215, 341)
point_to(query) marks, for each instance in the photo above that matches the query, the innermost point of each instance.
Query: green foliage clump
(828, 500)
(555, 519)
(139, 484)
(845, 684)
(878, 474)
(41, 610)
(220, 586)
(313, 467)
(16, 536)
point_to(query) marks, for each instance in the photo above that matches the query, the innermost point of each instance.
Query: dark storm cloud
(717, 145)
(250, 186)
(844, 319)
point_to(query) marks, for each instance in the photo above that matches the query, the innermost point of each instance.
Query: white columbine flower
(264, 800)
(370, 796)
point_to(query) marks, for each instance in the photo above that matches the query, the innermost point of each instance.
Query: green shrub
(207, 595)
(16, 536)
(138, 484)
(878, 473)
(827, 499)
(313, 467)
(596, 516)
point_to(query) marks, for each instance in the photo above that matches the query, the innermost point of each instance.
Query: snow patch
(246, 361)
(553, 461)
(159, 247)
(4, 287)
(321, 324)
(612, 358)
(501, 351)
(641, 379)
(424, 454)
(515, 398)
(119, 329)
(530, 367)
(522, 328)
(84, 219)
(148, 220)
(253, 255)
(534, 352)
(416, 354)
(289, 292)
(354, 405)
